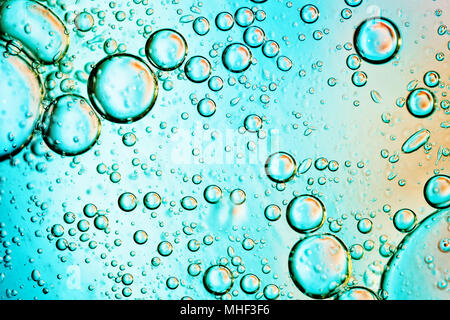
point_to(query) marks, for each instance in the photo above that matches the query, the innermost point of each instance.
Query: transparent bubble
(377, 40)
(84, 21)
(271, 292)
(238, 196)
(284, 63)
(244, 17)
(20, 103)
(353, 3)
(197, 69)
(224, 21)
(129, 139)
(140, 237)
(237, 57)
(346, 13)
(364, 225)
(416, 141)
(254, 36)
(218, 279)
(71, 127)
(253, 123)
(194, 269)
(356, 251)
(43, 35)
(122, 88)
(353, 61)
(90, 210)
(101, 222)
(127, 201)
(215, 83)
(201, 26)
(405, 220)
(418, 264)
(431, 79)
(189, 203)
(437, 191)
(206, 107)
(57, 230)
(320, 265)
(309, 13)
(357, 293)
(250, 283)
(165, 248)
(280, 167)
(166, 49)
(272, 212)
(305, 213)
(420, 103)
(359, 78)
(212, 194)
(152, 200)
(271, 48)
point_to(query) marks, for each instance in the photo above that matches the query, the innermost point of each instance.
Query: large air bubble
(122, 88)
(20, 103)
(71, 127)
(40, 31)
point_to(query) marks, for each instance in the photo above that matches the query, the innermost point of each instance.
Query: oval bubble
(237, 57)
(122, 88)
(166, 49)
(71, 127)
(42, 33)
(377, 40)
(320, 265)
(416, 141)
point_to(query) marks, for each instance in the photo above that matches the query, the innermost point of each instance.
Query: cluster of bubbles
(123, 88)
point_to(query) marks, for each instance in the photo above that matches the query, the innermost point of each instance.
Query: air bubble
(42, 33)
(309, 13)
(197, 69)
(71, 127)
(201, 26)
(420, 103)
(127, 201)
(122, 88)
(377, 40)
(166, 49)
(237, 57)
(405, 220)
(224, 21)
(280, 167)
(305, 213)
(320, 265)
(206, 107)
(218, 279)
(21, 92)
(437, 191)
